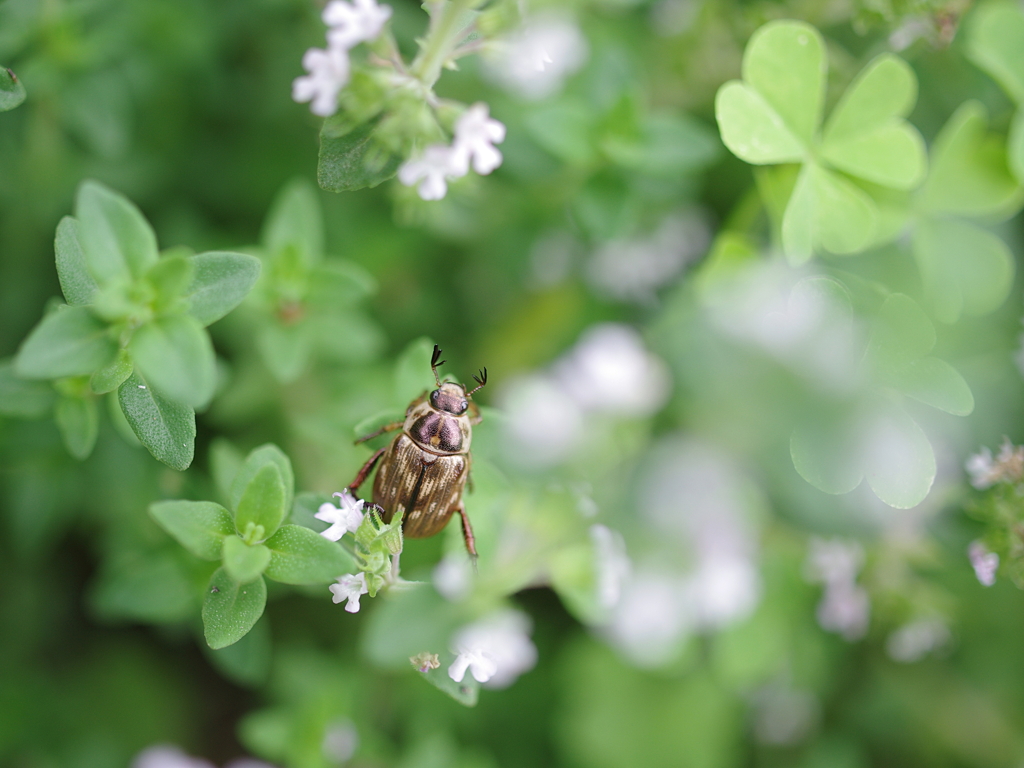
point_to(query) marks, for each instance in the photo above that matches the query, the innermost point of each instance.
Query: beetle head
(450, 397)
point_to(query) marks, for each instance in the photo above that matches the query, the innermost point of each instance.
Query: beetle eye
(463, 405)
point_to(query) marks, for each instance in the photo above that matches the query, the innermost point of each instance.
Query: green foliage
(166, 428)
(352, 158)
(231, 609)
(12, 91)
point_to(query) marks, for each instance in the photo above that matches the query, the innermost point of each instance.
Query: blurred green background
(614, 189)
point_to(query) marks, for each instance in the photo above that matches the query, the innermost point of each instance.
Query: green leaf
(936, 383)
(263, 501)
(301, 556)
(902, 333)
(823, 455)
(295, 221)
(752, 129)
(113, 375)
(221, 280)
(169, 278)
(116, 238)
(247, 662)
(254, 462)
(225, 462)
(79, 424)
(143, 586)
(175, 355)
(412, 371)
(466, 693)
(885, 90)
(1015, 145)
(19, 397)
(285, 348)
(965, 269)
(995, 42)
(76, 283)
(336, 282)
(970, 174)
(352, 159)
(798, 221)
(899, 463)
(243, 562)
(166, 428)
(827, 210)
(785, 62)
(231, 609)
(892, 155)
(12, 92)
(565, 129)
(69, 341)
(668, 145)
(199, 526)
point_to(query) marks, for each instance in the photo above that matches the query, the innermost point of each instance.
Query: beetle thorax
(436, 430)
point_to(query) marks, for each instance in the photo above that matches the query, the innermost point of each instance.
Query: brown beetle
(425, 467)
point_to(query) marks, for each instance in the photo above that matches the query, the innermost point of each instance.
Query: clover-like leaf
(116, 239)
(199, 526)
(231, 609)
(752, 130)
(165, 427)
(70, 341)
(301, 556)
(995, 42)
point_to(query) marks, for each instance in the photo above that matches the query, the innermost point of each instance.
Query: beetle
(424, 469)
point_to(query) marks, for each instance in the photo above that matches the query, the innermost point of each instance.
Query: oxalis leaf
(352, 159)
(12, 92)
(231, 609)
(166, 428)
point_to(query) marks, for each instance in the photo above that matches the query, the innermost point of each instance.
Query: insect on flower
(423, 471)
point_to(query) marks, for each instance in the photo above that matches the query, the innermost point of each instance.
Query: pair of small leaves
(773, 116)
(995, 42)
(838, 446)
(134, 322)
(261, 495)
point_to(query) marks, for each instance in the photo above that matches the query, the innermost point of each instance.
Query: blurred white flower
(985, 563)
(328, 72)
(166, 756)
(609, 370)
(783, 715)
(913, 641)
(353, 23)
(349, 588)
(845, 607)
(247, 762)
(632, 270)
(438, 165)
(1007, 467)
(496, 650)
(543, 425)
(341, 739)
(535, 60)
(611, 564)
(452, 577)
(344, 518)
(476, 133)
(651, 618)
(723, 590)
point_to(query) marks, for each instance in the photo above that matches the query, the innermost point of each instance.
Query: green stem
(439, 45)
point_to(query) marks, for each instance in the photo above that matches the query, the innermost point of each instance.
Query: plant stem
(439, 43)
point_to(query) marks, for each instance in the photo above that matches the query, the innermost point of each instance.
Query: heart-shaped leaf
(827, 210)
(752, 129)
(995, 42)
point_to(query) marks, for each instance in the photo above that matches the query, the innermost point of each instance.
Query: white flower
(539, 400)
(341, 739)
(535, 60)
(437, 166)
(913, 641)
(328, 73)
(845, 607)
(165, 756)
(354, 23)
(1007, 467)
(833, 561)
(476, 133)
(985, 563)
(344, 518)
(651, 618)
(453, 577)
(350, 588)
(496, 650)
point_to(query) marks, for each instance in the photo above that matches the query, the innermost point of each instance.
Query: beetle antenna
(434, 363)
(480, 380)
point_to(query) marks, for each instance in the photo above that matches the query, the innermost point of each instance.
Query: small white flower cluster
(166, 756)
(345, 518)
(348, 24)
(985, 563)
(535, 60)
(476, 133)
(609, 371)
(913, 641)
(1006, 467)
(495, 650)
(845, 607)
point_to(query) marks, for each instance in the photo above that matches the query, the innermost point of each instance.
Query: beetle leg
(366, 470)
(467, 534)
(386, 428)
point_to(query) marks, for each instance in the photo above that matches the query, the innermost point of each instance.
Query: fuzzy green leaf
(116, 238)
(166, 428)
(199, 526)
(301, 556)
(243, 562)
(231, 609)
(285, 348)
(752, 129)
(21, 397)
(295, 221)
(352, 159)
(77, 284)
(69, 341)
(254, 462)
(113, 375)
(885, 90)
(1015, 145)
(12, 92)
(79, 424)
(176, 356)
(263, 501)
(221, 280)
(169, 278)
